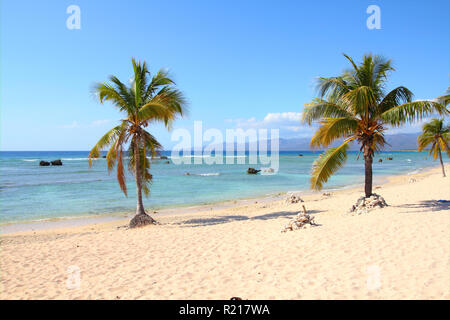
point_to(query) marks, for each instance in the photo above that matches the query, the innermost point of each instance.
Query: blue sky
(240, 63)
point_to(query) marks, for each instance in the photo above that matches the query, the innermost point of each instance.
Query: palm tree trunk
(368, 159)
(140, 204)
(442, 163)
(141, 218)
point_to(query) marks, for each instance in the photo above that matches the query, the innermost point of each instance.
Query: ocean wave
(205, 156)
(30, 160)
(74, 159)
(211, 174)
(189, 156)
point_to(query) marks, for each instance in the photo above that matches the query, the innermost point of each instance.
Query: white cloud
(289, 123)
(283, 117)
(73, 125)
(98, 123)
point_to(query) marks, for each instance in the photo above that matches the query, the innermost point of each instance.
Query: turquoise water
(30, 192)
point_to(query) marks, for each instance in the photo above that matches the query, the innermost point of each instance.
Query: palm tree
(146, 101)
(438, 135)
(356, 108)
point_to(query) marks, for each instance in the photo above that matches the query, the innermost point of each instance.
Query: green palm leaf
(320, 108)
(327, 164)
(411, 112)
(332, 129)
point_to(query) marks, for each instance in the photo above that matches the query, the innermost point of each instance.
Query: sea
(30, 192)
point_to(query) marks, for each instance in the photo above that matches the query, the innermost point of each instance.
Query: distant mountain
(396, 141)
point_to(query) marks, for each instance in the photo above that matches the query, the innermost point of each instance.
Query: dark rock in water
(163, 158)
(389, 158)
(167, 162)
(104, 157)
(187, 174)
(252, 171)
(57, 163)
(380, 160)
(44, 163)
(300, 155)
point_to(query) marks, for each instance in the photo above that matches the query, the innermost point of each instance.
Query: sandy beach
(398, 252)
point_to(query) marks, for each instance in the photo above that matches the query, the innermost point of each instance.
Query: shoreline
(33, 217)
(71, 222)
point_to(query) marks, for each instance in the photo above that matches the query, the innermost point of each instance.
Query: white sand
(399, 252)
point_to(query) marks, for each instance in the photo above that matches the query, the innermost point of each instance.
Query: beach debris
(300, 221)
(44, 163)
(326, 194)
(380, 160)
(57, 163)
(293, 199)
(412, 180)
(252, 171)
(269, 170)
(236, 298)
(364, 205)
(390, 158)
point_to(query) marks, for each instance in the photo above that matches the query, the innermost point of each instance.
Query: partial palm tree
(355, 107)
(438, 135)
(445, 99)
(148, 100)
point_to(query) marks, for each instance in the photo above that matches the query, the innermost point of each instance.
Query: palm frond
(165, 106)
(332, 88)
(443, 145)
(333, 128)
(327, 164)
(125, 92)
(121, 171)
(105, 141)
(424, 140)
(445, 99)
(411, 112)
(361, 99)
(320, 108)
(151, 144)
(394, 98)
(381, 68)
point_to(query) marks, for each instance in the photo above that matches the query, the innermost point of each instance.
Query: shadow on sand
(198, 222)
(429, 205)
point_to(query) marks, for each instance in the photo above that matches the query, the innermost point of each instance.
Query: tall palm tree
(355, 107)
(149, 99)
(438, 135)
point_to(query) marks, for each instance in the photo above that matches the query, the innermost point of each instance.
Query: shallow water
(30, 192)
